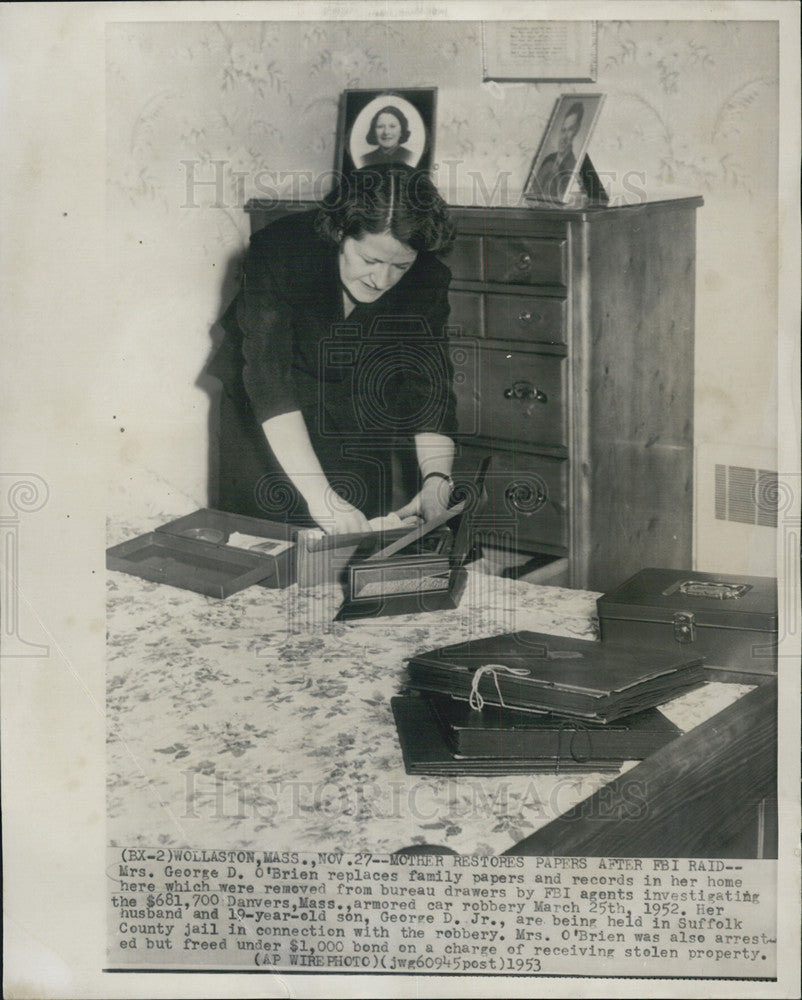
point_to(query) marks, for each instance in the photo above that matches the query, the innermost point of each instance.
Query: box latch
(684, 626)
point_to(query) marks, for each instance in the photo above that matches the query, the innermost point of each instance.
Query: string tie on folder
(575, 727)
(476, 701)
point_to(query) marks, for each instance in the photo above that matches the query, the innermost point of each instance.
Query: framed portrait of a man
(563, 147)
(386, 126)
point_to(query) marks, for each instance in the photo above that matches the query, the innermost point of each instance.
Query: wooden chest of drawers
(582, 323)
(572, 332)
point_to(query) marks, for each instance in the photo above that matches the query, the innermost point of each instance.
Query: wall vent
(748, 496)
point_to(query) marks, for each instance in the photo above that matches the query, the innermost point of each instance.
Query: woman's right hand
(335, 515)
(288, 438)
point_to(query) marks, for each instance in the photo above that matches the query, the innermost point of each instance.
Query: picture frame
(408, 118)
(563, 148)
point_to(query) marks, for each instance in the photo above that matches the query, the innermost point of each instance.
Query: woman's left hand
(431, 501)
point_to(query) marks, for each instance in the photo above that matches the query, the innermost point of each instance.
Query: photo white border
(52, 103)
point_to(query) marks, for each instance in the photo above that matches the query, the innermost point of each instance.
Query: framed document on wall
(539, 50)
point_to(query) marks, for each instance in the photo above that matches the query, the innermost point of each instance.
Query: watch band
(438, 475)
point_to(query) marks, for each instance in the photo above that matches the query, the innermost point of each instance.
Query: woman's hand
(335, 515)
(288, 437)
(431, 501)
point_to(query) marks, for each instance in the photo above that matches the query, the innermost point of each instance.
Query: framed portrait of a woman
(386, 126)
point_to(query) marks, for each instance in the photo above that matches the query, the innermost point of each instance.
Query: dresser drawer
(467, 314)
(526, 260)
(466, 260)
(527, 497)
(526, 317)
(530, 318)
(514, 396)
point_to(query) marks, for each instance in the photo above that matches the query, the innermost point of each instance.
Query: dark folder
(426, 751)
(503, 733)
(547, 673)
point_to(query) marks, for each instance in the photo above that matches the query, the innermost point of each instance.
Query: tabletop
(257, 721)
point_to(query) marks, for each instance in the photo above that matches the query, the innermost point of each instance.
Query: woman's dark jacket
(381, 373)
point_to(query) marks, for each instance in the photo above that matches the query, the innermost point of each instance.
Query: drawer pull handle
(523, 389)
(525, 498)
(523, 262)
(527, 317)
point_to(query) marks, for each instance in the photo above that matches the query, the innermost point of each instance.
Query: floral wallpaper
(261, 97)
(202, 116)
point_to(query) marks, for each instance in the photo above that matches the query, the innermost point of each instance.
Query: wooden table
(711, 793)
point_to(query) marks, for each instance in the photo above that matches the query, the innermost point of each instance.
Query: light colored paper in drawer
(254, 543)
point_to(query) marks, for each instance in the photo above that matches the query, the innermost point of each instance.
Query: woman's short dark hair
(388, 197)
(388, 110)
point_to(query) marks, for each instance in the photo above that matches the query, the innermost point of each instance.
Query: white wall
(692, 105)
